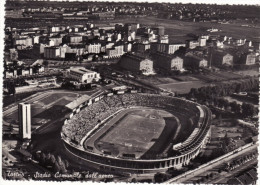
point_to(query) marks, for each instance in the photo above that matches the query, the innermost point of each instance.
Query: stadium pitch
(135, 131)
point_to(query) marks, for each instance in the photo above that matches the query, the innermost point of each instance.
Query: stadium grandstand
(186, 130)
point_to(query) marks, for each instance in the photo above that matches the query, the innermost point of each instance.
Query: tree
(52, 159)
(43, 159)
(56, 167)
(220, 119)
(11, 89)
(66, 163)
(248, 110)
(233, 106)
(45, 63)
(160, 177)
(238, 88)
(225, 103)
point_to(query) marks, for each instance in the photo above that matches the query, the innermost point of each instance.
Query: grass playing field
(137, 132)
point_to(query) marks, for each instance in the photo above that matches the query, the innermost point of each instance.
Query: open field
(182, 87)
(178, 30)
(250, 72)
(218, 76)
(158, 80)
(183, 83)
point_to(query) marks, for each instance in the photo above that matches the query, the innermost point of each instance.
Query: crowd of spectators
(83, 122)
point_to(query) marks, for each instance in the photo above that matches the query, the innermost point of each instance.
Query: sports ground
(45, 107)
(135, 131)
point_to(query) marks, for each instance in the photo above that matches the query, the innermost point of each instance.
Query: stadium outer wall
(111, 164)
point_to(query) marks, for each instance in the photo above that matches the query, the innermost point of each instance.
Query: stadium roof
(77, 102)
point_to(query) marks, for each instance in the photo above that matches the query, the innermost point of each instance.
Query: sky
(248, 2)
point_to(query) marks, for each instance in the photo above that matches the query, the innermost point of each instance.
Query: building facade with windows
(83, 75)
(167, 62)
(136, 63)
(221, 58)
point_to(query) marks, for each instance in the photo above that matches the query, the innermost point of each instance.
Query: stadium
(136, 132)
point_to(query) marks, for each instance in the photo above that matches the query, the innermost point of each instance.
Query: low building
(167, 62)
(24, 41)
(13, 54)
(56, 29)
(202, 41)
(164, 39)
(193, 44)
(136, 63)
(83, 75)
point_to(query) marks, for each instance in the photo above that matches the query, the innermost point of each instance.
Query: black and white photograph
(130, 91)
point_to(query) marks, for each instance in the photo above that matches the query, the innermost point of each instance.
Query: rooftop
(81, 70)
(77, 102)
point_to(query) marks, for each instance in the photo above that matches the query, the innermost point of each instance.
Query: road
(210, 165)
(227, 175)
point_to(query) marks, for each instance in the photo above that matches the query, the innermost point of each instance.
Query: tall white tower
(24, 117)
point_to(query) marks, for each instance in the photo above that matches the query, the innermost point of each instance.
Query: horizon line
(205, 2)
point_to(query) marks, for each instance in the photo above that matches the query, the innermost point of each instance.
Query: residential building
(141, 47)
(93, 47)
(13, 54)
(51, 52)
(56, 29)
(202, 41)
(56, 41)
(75, 39)
(220, 58)
(194, 62)
(136, 63)
(192, 44)
(167, 48)
(248, 59)
(116, 51)
(24, 41)
(167, 62)
(164, 39)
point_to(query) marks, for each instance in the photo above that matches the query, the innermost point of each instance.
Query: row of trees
(245, 110)
(213, 95)
(57, 164)
(224, 89)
